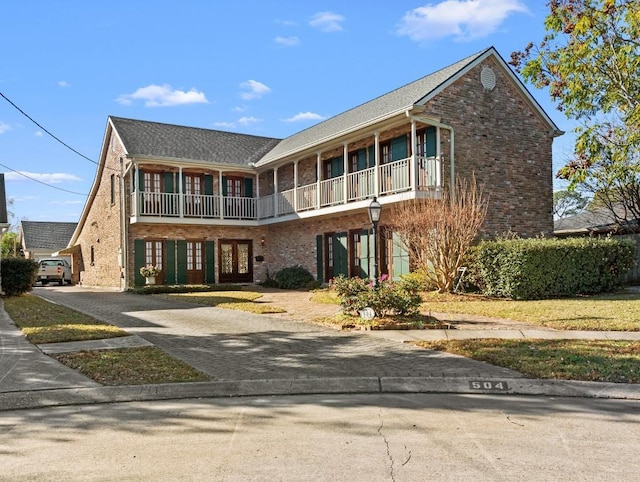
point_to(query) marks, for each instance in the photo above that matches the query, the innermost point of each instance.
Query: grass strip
(45, 322)
(231, 300)
(587, 360)
(131, 366)
(604, 312)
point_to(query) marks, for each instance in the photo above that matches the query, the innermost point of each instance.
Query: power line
(44, 129)
(42, 182)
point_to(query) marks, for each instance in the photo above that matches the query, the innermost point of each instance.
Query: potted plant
(150, 272)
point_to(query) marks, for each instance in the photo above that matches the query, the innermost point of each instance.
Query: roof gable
(391, 103)
(46, 235)
(158, 140)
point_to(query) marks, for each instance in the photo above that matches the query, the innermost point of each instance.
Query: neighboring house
(598, 220)
(41, 239)
(212, 206)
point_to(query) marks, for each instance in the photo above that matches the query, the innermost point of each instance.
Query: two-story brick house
(211, 206)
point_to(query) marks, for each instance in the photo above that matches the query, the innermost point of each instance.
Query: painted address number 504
(488, 385)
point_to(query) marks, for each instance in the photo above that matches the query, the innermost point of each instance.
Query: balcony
(389, 179)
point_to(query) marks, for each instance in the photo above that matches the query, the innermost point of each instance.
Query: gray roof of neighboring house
(595, 220)
(394, 101)
(155, 139)
(46, 235)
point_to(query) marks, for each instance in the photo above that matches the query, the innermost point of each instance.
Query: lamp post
(375, 209)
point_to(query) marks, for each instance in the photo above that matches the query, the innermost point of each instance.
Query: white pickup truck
(54, 270)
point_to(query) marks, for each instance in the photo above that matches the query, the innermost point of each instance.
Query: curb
(323, 386)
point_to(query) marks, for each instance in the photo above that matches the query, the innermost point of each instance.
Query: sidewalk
(250, 355)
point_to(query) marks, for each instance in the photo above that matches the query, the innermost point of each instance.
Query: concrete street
(391, 437)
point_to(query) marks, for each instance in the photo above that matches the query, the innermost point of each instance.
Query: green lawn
(45, 322)
(588, 360)
(616, 312)
(232, 300)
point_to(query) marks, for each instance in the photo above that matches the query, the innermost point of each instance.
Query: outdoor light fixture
(375, 209)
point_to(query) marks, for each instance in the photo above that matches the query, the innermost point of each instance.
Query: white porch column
(259, 215)
(295, 186)
(414, 170)
(136, 189)
(319, 178)
(275, 192)
(376, 171)
(180, 194)
(345, 169)
(221, 206)
(438, 159)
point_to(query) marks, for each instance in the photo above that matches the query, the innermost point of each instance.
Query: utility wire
(42, 182)
(44, 129)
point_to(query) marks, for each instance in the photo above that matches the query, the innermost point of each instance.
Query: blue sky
(268, 68)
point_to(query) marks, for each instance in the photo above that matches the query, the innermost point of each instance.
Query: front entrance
(154, 256)
(235, 260)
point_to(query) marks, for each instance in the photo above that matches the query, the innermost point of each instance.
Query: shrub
(18, 275)
(547, 268)
(293, 278)
(388, 298)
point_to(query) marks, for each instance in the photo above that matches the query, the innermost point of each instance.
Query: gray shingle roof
(46, 235)
(154, 139)
(394, 101)
(596, 220)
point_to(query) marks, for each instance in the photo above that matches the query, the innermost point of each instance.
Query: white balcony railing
(394, 177)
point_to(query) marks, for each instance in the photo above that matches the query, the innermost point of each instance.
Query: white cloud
(67, 202)
(63, 83)
(38, 134)
(239, 108)
(163, 96)
(304, 116)
(49, 178)
(287, 41)
(287, 23)
(4, 127)
(224, 125)
(245, 121)
(327, 21)
(463, 19)
(253, 89)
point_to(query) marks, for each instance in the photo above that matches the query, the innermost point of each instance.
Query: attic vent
(488, 78)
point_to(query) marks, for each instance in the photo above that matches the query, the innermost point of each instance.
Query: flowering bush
(388, 298)
(149, 270)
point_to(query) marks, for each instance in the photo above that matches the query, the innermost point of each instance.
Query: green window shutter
(139, 261)
(181, 275)
(210, 267)
(340, 259)
(362, 159)
(140, 180)
(400, 258)
(337, 166)
(170, 262)
(430, 144)
(168, 182)
(319, 258)
(366, 247)
(399, 148)
(208, 184)
(248, 187)
(224, 185)
(372, 156)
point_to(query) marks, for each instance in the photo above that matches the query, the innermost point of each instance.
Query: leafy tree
(10, 245)
(568, 202)
(589, 60)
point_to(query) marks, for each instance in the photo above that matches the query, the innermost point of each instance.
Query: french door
(235, 260)
(195, 262)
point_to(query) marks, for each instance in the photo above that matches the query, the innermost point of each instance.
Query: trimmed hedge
(291, 278)
(539, 268)
(18, 275)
